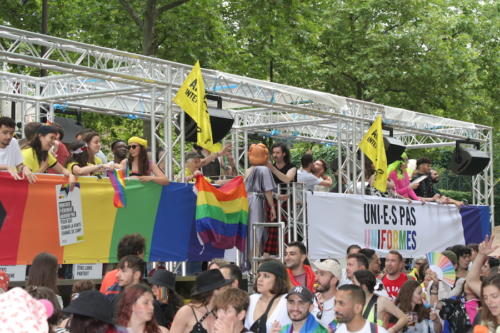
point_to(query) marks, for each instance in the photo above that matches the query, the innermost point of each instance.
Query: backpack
(453, 311)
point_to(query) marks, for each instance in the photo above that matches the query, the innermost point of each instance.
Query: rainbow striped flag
(222, 213)
(117, 179)
(164, 215)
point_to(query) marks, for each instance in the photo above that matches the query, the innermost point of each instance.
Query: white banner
(15, 273)
(338, 220)
(87, 271)
(69, 215)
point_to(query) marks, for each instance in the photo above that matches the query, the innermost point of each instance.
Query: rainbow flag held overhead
(222, 213)
(117, 179)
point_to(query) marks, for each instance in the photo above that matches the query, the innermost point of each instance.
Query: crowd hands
(42, 151)
(297, 296)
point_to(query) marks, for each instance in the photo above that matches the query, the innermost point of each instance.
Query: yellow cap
(136, 139)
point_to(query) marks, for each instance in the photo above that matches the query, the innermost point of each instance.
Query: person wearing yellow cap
(139, 165)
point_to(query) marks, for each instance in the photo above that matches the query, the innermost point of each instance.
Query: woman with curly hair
(136, 311)
(420, 319)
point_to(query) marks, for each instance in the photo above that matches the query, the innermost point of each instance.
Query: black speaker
(468, 161)
(221, 121)
(393, 149)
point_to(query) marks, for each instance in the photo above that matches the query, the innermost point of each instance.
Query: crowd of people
(297, 296)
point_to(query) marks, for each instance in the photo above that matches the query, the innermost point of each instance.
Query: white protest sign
(337, 221)
(87, 271)
(15, 273)
(69, 215)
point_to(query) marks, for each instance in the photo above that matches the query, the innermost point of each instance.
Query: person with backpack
(376, 307)
(420, 319)
(349, 304)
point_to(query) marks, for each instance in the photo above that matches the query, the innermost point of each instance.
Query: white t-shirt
(279, 313)
(366, 329)
(308, 179)
(328, 311)
(11, 155)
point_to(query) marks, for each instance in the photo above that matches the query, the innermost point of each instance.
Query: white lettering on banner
(15, 273)
(87, 271)
(338, 220)
(69, 215)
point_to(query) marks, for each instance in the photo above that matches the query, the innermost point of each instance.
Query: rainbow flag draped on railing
(222, 213)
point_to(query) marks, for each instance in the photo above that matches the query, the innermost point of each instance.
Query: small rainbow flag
(117, 178)
(222, 213)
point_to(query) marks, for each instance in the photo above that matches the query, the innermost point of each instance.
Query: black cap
(275, 267)
(208, 281)
(93, 304)
(303, 292)
(163, 278)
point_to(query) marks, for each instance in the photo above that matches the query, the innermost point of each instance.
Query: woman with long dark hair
(43, 273)
(138, 164)
(80, 163)
(376, 307)
(36, 154)
(136, 311)
(420, 319)
(168, 301)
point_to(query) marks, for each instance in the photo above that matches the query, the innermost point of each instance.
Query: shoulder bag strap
(369, 307)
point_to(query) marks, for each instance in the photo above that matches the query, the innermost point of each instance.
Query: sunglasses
(132, 146)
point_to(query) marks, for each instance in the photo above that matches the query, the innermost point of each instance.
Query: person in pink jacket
(399, 175)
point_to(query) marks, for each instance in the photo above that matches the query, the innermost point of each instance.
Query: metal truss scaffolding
(97, 79)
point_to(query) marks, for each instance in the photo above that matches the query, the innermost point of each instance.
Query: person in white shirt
(11, 158)
(349, 304)
(328, 274)
(306, 176)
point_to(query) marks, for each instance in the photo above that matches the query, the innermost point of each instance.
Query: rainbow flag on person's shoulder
(222, 213)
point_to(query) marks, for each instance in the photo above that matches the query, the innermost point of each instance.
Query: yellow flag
(372, 145)
(191, 98)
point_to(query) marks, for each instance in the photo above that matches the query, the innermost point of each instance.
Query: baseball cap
(329, 265)
(303, 292)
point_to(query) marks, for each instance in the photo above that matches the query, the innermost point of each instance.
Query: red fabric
(310, 278)
(61, 155)
(393, 286)
(271, 245)
(109, 279)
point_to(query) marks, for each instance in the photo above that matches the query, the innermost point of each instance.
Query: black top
(212, 170)
(426, 187)
(198, 327)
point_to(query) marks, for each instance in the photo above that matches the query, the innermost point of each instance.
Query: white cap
(329, 265)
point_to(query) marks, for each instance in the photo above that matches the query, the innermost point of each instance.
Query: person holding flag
(191, 98)
(372, 145)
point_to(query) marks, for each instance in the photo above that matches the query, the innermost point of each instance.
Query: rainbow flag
(222, 213)
(117, 179)
(164, 215)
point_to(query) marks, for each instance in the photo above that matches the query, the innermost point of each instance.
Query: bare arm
(473, 276)
(158, 176)
(385, 305)
(327, 181)
(86, 170)
(181, 321)
(71, 178)
(285, 178)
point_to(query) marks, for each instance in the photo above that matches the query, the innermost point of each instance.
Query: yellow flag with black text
(191, 98)
(372, 145)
